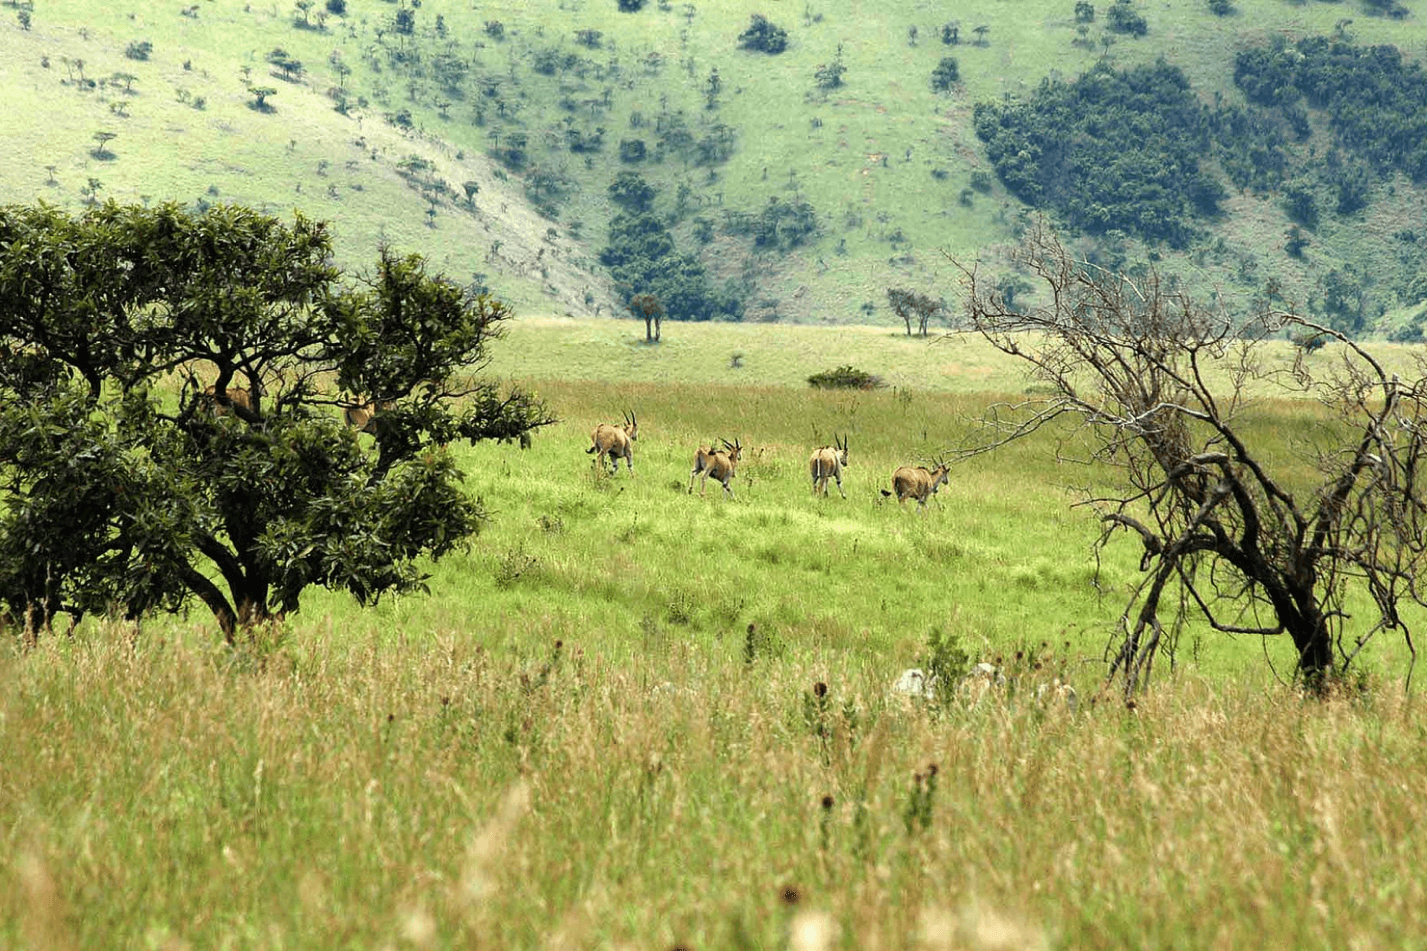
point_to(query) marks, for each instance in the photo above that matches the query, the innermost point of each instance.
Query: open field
(602, 728)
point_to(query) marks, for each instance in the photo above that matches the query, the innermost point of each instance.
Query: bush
(946, 74)
(846, 378)
(762, 35)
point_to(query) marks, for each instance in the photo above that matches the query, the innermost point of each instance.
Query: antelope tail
(591, 449)
(886, 493)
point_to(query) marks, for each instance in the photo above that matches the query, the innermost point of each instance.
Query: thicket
(643, 259)
(1068, 147)
(1375, 101)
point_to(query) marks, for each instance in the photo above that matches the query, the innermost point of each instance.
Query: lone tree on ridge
(1253, 538)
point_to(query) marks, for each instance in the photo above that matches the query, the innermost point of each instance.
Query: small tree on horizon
(909, 305)
(651, 310)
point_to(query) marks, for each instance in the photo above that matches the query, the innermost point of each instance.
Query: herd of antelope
(609, 443)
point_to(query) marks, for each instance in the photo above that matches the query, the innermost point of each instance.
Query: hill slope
(808, 182)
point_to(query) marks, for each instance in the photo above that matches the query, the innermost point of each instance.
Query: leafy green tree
(1122, 17)
(763, 36)
(946, 74)
(829, 75)
(261, 95)
(631, 192)
(169, 387)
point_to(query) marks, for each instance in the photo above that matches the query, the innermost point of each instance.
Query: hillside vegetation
(794, 170)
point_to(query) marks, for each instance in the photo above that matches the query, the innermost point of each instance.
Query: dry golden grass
(430, 794)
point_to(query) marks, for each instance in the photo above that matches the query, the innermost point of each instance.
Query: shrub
(762, 35)
(946, 74)
(846, 378)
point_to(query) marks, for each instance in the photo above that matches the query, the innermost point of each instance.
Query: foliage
(909, 304)
(1122, 17)
(1227, 531)
(139, 49)
(643, 259)
(122, 496)
(632, 193)
(946, 74)
(763, 36)
(829, 75)
(1375, 100)
(846, 377)
(1064, 149)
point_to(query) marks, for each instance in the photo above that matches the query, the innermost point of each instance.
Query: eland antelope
(615, 442)
(828, 463)
(232, 396)
(363, 416)
(918, 482)
(718, 463)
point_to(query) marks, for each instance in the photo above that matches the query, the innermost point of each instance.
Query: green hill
(805, 182)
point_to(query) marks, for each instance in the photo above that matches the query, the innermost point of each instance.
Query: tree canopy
(170, 387)
(1068, 148)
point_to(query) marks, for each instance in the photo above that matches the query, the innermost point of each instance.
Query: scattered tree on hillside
(631, 192)
(1084, 11)
(829, 75)
(101, 144)
(1250, 538)
(946, 74)
(908, 305)
(951, 33)
(139, 49)
(1122, 17)
(261, 95)
(763, 36)
(170, 427)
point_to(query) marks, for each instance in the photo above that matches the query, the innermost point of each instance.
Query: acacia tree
(127, 489)
(1252, 538)
(908, 304)
(649, 307)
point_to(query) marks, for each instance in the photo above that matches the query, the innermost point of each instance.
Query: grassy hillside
(885, 163)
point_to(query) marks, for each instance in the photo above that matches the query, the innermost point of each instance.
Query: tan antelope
(718, 463)
(828, 463)
(616, 443)
(918, 482)
(363, 416)
(232, 396)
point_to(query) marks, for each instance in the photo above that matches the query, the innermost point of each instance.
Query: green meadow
(632, 717)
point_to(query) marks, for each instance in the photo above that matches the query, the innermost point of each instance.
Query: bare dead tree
(1159, 395)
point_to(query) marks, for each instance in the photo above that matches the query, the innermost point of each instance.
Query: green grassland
(602, 727)
(884, 160)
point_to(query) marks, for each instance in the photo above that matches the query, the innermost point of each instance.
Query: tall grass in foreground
(434, 794)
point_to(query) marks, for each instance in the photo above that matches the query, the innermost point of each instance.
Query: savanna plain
(634, 717)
